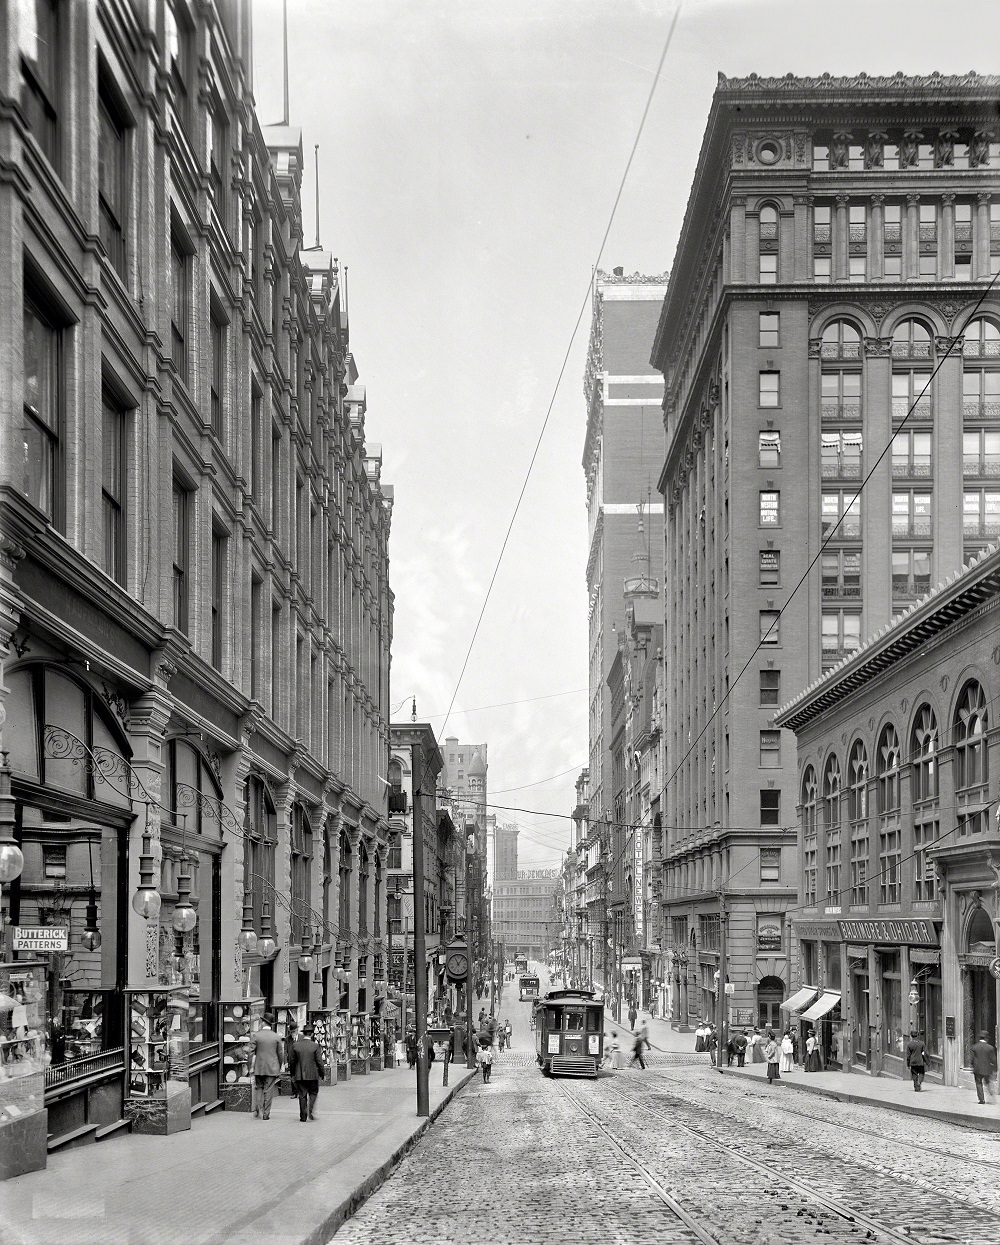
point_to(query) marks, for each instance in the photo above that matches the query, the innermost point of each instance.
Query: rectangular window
(770, 627)
(218, 158)
(114, 475)
(770, 749)
(841, 515)
(178, 60)
(841, 633)
(981, 454)
(889, 865)
(38, 37)
(821, 270)
(54, 861)
(821, 158)
(770, 815)
(42, 416)
(822, 217)
(892, 267)
(275, 658)
(857, 222)
(859, 869)
(925, 835)
(857, 271)
(769, 449)
(841, 573)
(181, 524)
(770, 687)
(180, 276)
(218, 371)
(981, 513)
(768, 328)
(770, 508)
(112, 199)
(220, 560)
(770, 568)
(768, 268)
(927, 267)
(256, 635)
(769, 389)
(272, 506)
(911, 573)
(911, 514)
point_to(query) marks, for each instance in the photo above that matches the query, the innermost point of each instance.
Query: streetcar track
(860, 1128)
(675, 1207)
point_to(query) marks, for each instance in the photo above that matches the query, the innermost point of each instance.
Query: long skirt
(772, 1072)
(814, 1062)
(699, 1042)
(758, 1053)
(785, 1062)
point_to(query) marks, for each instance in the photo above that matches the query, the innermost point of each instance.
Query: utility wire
(562, 369)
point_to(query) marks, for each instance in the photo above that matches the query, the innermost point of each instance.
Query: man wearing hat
(267, 1054)
(306, 1069)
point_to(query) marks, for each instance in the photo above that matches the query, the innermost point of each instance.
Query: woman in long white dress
(786, 1062)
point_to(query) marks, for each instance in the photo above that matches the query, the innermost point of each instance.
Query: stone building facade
(832, 417)
(197, 616)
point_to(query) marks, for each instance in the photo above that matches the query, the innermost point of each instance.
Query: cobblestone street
(527, 1158)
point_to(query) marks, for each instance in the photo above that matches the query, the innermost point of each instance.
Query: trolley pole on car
(722, 999)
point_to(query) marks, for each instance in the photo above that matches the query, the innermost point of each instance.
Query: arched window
(888, 762)
(344, 885)
(301, 874)
(923, 756)
(981, 340)
(192, 790)
(857, 778)
(809, 852)
(768, 250)
(831, 821)
(971, 759)
(363, 874)
(911, 339)
(841, 340)
(259, 840)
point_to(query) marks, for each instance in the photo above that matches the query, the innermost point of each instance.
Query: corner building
(838, 236)
(196, 614)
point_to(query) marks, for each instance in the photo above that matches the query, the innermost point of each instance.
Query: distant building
(524, 912)
(505, 849)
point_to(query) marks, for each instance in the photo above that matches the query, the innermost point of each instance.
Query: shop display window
(77, 1030)
(324, 1034)
(288, 1022)
(240, 1020)
(158, 1042)
(22, 1040)
(359, 1037)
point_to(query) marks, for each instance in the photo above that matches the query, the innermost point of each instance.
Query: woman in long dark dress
(771, 1054)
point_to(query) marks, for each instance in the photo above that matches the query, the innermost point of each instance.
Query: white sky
(470, 154)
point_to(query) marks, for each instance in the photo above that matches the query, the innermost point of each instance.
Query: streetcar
(569, 1033)
(521, 964)
(527, 986)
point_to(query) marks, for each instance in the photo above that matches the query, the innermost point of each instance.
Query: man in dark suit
(306, 1069)
(267, 1054)
(915, 1059)
(984, 1066)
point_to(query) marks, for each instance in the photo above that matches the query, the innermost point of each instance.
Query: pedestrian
(794, 1035)
(787, 1051)
(814, 1060)
(642, 1033)
(771, 1057)
(510, 1033)
(411, 1047)
(267, 1057)
(915, 1060)
(739, 1044)
(756, 1046)
(306, 1069)
(730, 1050)
(430, 1050)
(484, 1057)
(984, 1066)
(713, 1039)
(502, 1037)
(637, 1048)
(699, 1036)
(482, 1016)
(631, 1015)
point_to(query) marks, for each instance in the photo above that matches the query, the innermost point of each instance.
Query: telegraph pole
(722, 999)
(419, 937)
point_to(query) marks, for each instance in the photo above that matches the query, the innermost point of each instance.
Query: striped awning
(798, 1000)
(826, 1002)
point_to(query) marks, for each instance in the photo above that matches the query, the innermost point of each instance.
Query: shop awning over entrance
(799, 999)
(826, 1002)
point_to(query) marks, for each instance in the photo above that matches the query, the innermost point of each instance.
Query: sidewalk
(955, 1105)
(231, 1180)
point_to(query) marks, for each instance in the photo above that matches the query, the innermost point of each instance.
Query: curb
(335, 1220)
(986, 1124)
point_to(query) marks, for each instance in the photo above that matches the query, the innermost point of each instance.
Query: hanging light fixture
(305, 954)
(91, 936)
(266, 945)
(184, 918)
(146, 900)
(317, 955)
(11, 856)
(247, 937)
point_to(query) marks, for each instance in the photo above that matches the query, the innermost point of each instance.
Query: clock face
(458, 963)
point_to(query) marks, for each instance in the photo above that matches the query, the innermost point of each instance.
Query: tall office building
(822, 322)
(505, 851)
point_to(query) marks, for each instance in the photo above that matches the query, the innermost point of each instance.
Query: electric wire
(562, 369)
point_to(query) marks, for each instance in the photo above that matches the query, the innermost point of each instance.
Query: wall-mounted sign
(744, 1016)
(893, 930)
(768, 932)
(949, 1026)
(41, 938)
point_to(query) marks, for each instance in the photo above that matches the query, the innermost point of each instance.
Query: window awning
(826, 1002)
(799, 999)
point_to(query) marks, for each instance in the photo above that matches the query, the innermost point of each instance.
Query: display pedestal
(325, 1036)
(158, 1100)
(238, 1022)
(159, 1117)
(24, 1145)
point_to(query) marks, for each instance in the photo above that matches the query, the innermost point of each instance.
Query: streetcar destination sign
(41, 938)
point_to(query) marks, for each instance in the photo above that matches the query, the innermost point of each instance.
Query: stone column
(911, 239)
(946, 238)
(947, 461)
(841, 239)
(981, 237)
(876, 238)
(876, 502)
(738, 247)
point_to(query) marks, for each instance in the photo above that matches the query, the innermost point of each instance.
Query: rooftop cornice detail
(980, 84)
(633, 278)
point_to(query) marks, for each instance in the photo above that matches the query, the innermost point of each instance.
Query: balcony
(839, 591)
(902, 527)
(911, 350)
(981, 410)
(842, 469)
(922, 409)
(912, 470)
(974, 467)
(836, 411)
(974, 349)
(848, 529)
(973, 529)
(397, 802)
(906, 590)
(840, 350)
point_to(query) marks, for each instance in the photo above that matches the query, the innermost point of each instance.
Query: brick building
(838, 236)
(196, 611)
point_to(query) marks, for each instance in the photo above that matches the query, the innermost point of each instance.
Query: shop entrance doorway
(860, 1031)
(979, 988)
(770, 992)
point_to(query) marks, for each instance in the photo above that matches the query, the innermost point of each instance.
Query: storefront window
(892, 1004)
(929, 1022)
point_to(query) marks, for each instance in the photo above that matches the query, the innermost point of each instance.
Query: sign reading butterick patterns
(41, 938)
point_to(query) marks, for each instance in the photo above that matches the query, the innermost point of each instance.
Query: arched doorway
(770, 992)
(979, 988)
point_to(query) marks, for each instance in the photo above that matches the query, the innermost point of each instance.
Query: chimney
(619, 272)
